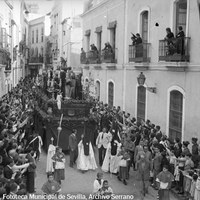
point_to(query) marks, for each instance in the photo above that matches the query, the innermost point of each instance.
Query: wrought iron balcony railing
(83, 58)
(174, 50)
(139, 53)
(109, 56)
(95, 57)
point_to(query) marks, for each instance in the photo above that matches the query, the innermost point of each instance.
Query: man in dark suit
(73, 146)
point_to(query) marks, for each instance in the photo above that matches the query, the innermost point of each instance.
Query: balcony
(139, 53)
(93, 57)
(108, 56)
(174, 50)
(83, 58)
(96, 57)
(36, 59)
(4, 56)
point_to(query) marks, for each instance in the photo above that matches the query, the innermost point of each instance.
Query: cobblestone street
(79, 183)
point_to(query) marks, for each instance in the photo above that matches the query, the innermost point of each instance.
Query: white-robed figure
(111, 160)
(86, 159)
(51, 152)
(59, 99)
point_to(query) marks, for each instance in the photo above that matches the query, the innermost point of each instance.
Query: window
(99, 34)
(112, 37)
(42, 34)
(88, 42)
(175, 114)
(87, 37)
(144, 26)
(36, 36)
(112, 27)
(41, 51)
(3, 38)
(98, 90)
(32, 36)
(110, 94)
(32, 52)
(99, 41)
(181, 14)
(141, 103)
(36, 52)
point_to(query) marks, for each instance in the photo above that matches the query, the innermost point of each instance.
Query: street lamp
(141, 80)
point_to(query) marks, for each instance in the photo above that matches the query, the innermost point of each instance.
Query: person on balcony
(108, 50)
(83, 56)
(93, 47)
(180, 40)
(108, 47)
(170, 42)
(137, 42)
(94, 51)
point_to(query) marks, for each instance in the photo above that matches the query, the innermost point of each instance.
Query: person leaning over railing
(170, 44)
(107, 50)
(137, 42)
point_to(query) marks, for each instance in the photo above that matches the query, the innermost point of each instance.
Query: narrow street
(82, 183)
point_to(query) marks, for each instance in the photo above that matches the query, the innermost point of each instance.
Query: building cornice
(95, 7)
(37, 19)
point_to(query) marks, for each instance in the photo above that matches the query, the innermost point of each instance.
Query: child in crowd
(197, 190)
(193, 186)
(164, 180)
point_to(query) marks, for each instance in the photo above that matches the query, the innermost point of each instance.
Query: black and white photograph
(100, 99)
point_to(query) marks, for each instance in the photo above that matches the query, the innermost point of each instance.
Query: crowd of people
(124, 143)
(63, 82)
(19, 142)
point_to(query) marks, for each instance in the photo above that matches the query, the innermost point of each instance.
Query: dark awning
(112, 24)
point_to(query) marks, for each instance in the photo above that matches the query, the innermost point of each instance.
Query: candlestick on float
(59, 129)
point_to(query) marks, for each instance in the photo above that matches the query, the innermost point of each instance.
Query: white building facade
(72, 42)
(36, 46)
(170, 93)
(64, 31)
(6, 45)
